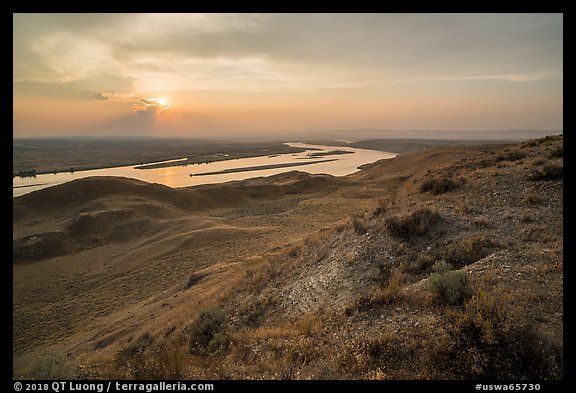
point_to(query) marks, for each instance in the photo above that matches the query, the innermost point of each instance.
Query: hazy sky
(202, 74)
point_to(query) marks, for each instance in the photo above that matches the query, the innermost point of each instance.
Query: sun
(162, 104)
(152, 106)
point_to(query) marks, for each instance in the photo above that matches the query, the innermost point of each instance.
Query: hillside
(445, 263)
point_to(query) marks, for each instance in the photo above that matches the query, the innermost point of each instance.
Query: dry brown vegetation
(363, 277)
(438, 186)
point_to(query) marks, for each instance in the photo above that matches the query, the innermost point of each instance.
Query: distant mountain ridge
(354, 135)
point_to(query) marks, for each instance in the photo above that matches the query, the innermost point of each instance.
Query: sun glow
(242, 73)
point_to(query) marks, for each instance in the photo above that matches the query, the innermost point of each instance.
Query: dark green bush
(204, 329)
(447, 283)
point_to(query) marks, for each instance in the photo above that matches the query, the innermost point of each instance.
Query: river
(180, 176)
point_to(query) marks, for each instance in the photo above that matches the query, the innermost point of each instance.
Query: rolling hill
(445, 263)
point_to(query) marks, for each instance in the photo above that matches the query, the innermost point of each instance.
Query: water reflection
(179, 176)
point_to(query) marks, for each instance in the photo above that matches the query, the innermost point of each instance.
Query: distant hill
(480, 135)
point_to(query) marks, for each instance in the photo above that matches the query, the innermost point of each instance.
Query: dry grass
(466, 249)
(51, 366)
(387, 294)
(134, 348)
(516, 155)
(359, 225)
(546, 172)
(438, 186)
(413, 224)
(306, 325)
(556, 152)
(149, 359)
(352, 302)
(490, 344)
(481, 221)
(533, 200)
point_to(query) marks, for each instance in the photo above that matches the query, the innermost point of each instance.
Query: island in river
(261, 167)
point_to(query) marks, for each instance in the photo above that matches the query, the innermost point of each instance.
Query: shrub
(171, 362)
(301, 352)
(557, 152)
(51, 366)
(305, 326)
(530, 143)
(387, 294)
(533, 200)
(326, 372)
(447, 283)
(193, 280)
(438, 186)
(134, 348)
(392, 289)
(482, 318)
(515, 155)
(359, 225)
(341, 227)
(489, 344)
(146, 358)
(218, 341)
(485, 163)
(377, 211)
(466, 250)
(547, 172)
(416, 223)
(204, 329)
(481, 221)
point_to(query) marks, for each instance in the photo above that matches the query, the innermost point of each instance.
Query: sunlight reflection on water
(179, 176)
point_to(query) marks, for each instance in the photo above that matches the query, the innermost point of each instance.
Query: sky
(196, 75)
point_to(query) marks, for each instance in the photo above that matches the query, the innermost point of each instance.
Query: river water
(179, 176)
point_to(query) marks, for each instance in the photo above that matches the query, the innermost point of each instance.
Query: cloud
(151, 107)
(113, 96)
(163, 52)
(98, 96)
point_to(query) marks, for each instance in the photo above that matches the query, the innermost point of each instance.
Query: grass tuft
(546, 172)
(438, 186)
(414, 224)
(466, 250)
(51, 366)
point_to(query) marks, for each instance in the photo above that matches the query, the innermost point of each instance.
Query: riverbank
(59, 155)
